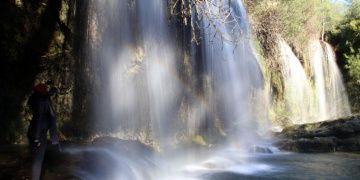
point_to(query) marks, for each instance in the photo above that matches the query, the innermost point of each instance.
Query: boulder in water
(328, 136)
(261, 149)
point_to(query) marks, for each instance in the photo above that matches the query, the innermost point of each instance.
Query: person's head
(49, 82)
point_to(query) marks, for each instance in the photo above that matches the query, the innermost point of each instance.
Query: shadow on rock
(341, 135)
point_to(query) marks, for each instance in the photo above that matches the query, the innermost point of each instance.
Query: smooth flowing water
(297, 87)
(232, 65)
(227, 164)
(337, 96)
(294, 166)
(321, 96)
(139, 76)
(143, 95)
(330, 94)
(133, 50)
(134, 56)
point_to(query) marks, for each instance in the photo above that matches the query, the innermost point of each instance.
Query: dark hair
(49, 82)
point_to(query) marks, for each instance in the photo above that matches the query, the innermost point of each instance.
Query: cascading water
(337, 97)
(138, 79)
(330, 94)
(141, 91)
(324, 97)
(141, 94)
(161, 70)
(319, 80)
(297, 88)
(233, 67)
(138, 82)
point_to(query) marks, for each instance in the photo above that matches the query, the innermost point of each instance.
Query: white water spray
(319, 97)
(140, 89)
(330, 93)
(139, 80)
(297, 89)
(233, 67)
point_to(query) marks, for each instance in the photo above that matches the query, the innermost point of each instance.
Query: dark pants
(44, 120)
(38, 154)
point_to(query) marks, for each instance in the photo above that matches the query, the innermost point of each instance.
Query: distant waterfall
(297, 88)
(317, 60)
(330, 94)
(319, 97)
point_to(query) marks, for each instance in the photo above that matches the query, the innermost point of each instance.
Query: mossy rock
(328, 136)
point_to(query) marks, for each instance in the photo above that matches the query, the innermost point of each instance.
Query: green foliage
(346, 38)
(354, 94)
(295, 15)
(305, 19)
(280, 114)
(353, 64)
(297, 21)
(333, 14)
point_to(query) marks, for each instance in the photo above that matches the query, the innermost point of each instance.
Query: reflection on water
(299, 166)
(227, 164)
(336, 165)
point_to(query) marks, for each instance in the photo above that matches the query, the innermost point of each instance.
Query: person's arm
(53, 91)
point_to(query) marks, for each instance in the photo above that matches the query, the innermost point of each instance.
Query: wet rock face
(315, 145)
(339, 135)
(37, 44)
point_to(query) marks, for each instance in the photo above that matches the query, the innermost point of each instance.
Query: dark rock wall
(38, 43)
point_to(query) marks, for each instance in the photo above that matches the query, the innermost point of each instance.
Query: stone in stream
(261, 149)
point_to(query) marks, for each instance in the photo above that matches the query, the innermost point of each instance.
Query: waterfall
(139, 90)
(161, 71)
(297, 88)
(138, 83)
(319, 79)
(233, 67)
(319, 97)
(330, 93)
(137, 75)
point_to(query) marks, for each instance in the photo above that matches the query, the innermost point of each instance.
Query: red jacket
(41, 89)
